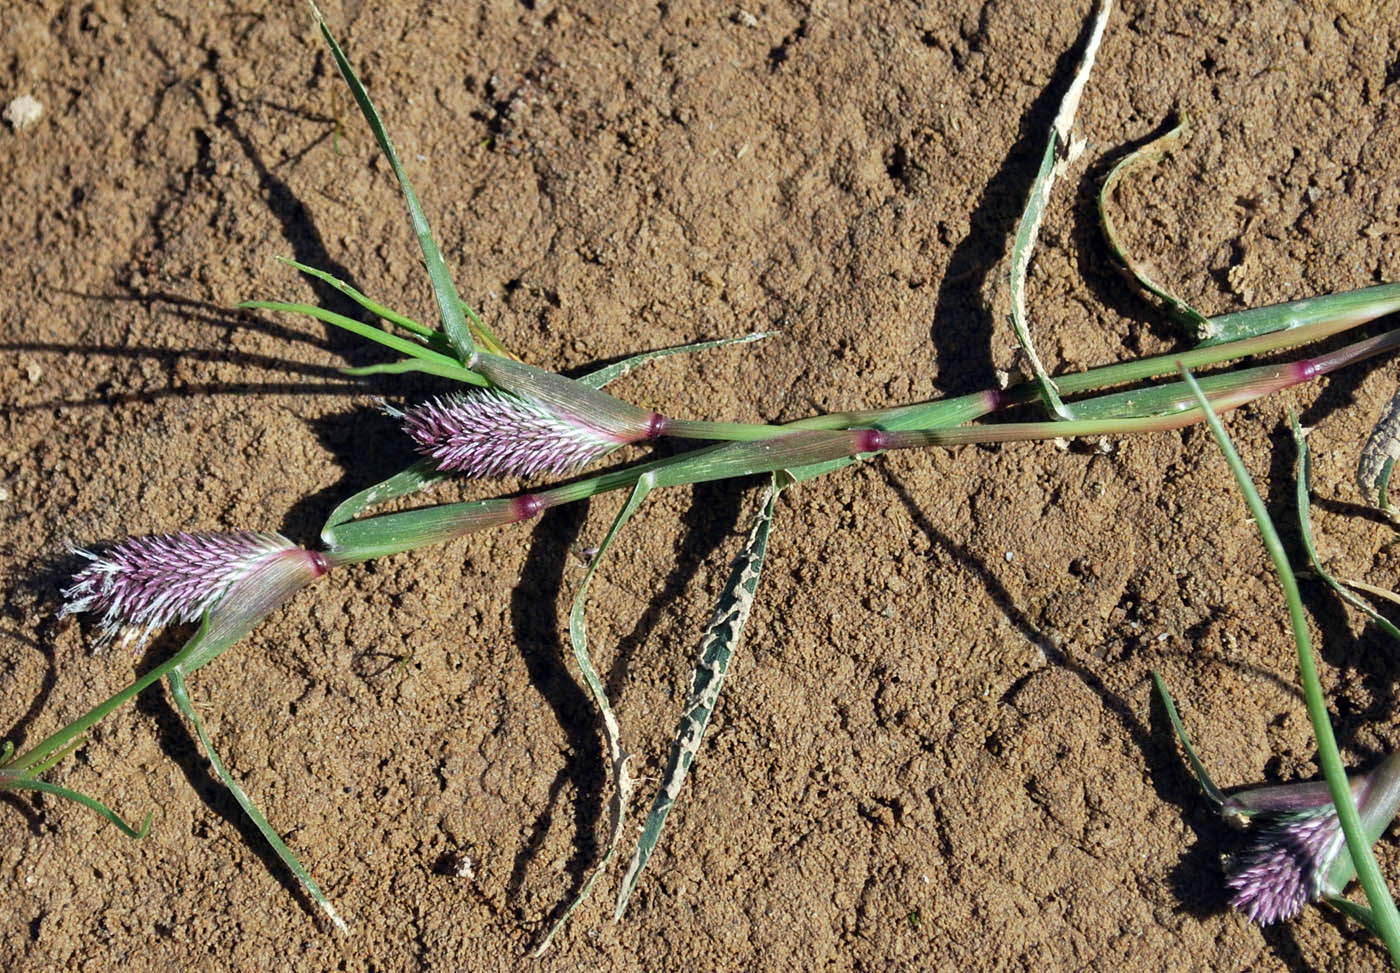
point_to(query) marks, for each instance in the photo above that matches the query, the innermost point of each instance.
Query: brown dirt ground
(938, 745)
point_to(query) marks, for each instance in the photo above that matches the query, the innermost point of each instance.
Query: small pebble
(23, 112)
(463, 868)
(33, 372)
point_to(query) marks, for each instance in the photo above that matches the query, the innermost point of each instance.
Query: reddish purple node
(656, 426)
(870, 440)
(319, 564)
(526, 506)
(1307, 369)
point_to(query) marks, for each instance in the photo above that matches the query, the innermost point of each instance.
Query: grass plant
(517, 413)
(1315, 864)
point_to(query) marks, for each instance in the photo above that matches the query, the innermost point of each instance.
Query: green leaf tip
(449, 303)
(1153, 151)
(1212, 793)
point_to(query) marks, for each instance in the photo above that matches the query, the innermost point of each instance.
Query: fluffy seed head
(492, 433)
(145, 583)
(1283, 868)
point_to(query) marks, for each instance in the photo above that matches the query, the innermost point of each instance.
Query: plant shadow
(711, 516)
(1196, 879)
(533, 606)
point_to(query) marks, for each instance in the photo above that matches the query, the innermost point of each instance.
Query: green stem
(1367, 871)
(1348, 314)
(722, 431)
(806, 445)
(36, 754)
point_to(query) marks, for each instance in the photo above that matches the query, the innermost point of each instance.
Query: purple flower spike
(1298, 853)
(1283, 868)
(145, 583)
(492, 433)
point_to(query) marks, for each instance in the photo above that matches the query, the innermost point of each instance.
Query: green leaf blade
(404, 346)
(181, 696)
(1059, 153)
(1176, 307)
(420, 476)
(717, 646)
(610, 373)
(1305, 530)
(92, 804)
(449, 303)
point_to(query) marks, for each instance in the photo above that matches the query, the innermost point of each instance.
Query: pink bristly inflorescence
(492, 433)
(1282, 869)
(145, 583)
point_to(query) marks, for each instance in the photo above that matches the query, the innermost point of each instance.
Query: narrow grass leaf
(449, 303)
(182, 702)
(1358, 913)
(1382, 905)
(1153, 151)
(419, 476)
(801, 474)
(1304, 495)
(717, 647)
(55, 758)
(484, 335)
(1060, 151)
(431, 336)
(608, 373)
(1378, 457)
(1375, 591)
(1213, 793)
(447, 365)
(1346, 308)
(436, 339)
(34, 784)
(578, 638)
(454, 371)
